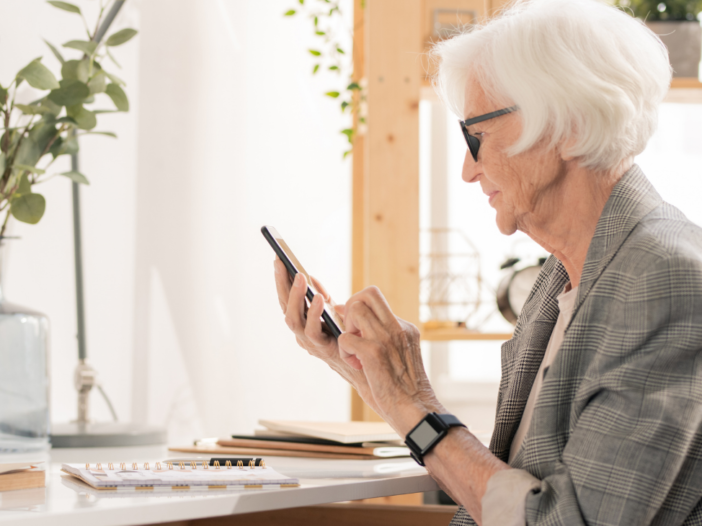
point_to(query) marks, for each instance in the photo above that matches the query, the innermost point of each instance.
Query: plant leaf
(333, 68)
(315, 69)
(76, 70)
(112, 58)
(85, 46)
(34, 144)
(70, 93)
(3, 161)
(98, 83)
(85, 119)
(353, 85)
(55, 51)
(67, 120)
(118, 96)
(27, 168)
(32, 110)
(107, 134)
(332, 94)
(115, 79)
(340, 50)
(314, 52)
(121, 37)
(65, 6)
(3, 96)
(290, 12)
(67, 147)
(24, 186)
(53, 108)
(76, 177)
(346, 153)
(28, 208)
(38, 75)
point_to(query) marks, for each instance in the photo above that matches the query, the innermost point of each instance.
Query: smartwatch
(429, 432)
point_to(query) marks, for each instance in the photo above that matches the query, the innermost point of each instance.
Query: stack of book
(332, 440)
(21, 475)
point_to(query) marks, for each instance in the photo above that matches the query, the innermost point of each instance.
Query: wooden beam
(393, 49)
(337, 514)
(359, 409)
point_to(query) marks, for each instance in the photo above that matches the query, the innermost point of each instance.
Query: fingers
(282, 283)
(361, 319)
(295, 312)
(313, 325)
(320, 288)
(347, 350)
(372, 297)
(357, 351)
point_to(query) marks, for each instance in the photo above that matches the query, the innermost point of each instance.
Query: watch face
(423, 435)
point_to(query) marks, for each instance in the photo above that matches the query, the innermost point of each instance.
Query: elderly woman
(599, 414)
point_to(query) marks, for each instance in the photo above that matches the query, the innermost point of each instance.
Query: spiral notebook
(170, 476)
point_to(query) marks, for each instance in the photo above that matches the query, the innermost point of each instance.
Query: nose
(471, 172)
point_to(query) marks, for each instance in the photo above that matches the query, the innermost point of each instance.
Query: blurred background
(229, 130)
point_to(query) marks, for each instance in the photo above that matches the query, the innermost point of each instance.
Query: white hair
(583, 73)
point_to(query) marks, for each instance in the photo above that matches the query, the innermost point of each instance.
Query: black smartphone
(329, 316)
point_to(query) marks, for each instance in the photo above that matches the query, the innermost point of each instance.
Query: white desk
(322, 481)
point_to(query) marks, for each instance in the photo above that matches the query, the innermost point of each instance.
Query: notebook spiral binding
(181, 465)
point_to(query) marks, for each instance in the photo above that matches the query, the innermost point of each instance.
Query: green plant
(652, 10)
(38, 133)
(331, 56)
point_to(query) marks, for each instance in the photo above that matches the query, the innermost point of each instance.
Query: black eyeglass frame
(472, 141)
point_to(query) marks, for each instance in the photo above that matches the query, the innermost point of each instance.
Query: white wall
(228, 131)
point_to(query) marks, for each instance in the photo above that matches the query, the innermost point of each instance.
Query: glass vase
(24, 374)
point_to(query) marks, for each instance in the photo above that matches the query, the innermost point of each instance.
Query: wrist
(407, 416)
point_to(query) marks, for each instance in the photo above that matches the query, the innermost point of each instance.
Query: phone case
(330, 323)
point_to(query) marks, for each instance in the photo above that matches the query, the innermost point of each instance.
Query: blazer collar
(632, 198)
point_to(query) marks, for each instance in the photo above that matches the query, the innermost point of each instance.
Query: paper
(101, 476)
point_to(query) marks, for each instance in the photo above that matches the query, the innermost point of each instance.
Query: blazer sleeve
(635, 447)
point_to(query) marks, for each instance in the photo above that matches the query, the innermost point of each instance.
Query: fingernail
(298, 280)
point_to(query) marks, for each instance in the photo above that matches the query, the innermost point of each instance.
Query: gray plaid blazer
(616, 435)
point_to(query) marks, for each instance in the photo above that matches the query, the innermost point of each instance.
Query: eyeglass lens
(473, 142)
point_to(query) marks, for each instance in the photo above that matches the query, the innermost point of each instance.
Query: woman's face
(521, 188)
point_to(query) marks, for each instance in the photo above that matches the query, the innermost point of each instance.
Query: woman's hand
(386, 348)
(307, 327)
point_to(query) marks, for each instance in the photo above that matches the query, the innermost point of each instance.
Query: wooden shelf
(445, 334)
(685, 83)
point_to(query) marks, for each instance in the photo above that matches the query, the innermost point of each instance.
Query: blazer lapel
(522, 355)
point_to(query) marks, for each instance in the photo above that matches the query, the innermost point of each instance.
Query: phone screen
(331, 318)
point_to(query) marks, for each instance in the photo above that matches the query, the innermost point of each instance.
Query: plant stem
(4, 224)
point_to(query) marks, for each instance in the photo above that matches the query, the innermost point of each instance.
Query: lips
(491, 195)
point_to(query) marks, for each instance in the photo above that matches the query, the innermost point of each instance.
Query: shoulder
(664, 243)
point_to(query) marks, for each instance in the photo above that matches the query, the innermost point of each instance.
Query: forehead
(476, 101)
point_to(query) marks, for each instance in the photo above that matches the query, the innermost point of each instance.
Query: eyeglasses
(472, 140)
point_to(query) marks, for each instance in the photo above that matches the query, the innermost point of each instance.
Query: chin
(506, 225)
